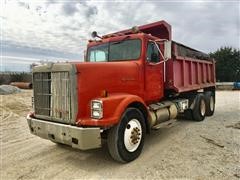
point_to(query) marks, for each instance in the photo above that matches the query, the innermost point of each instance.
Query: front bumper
(77, 137)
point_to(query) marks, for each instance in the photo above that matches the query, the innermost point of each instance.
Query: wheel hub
(135, 135)
(132, 135)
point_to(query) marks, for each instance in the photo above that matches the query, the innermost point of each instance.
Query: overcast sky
(59, 30)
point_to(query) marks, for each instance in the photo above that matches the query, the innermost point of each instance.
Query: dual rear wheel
(204, 105)
(210, 103)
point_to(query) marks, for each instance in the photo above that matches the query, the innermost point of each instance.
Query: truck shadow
(100, 159)
(156, 136)
(89, 160)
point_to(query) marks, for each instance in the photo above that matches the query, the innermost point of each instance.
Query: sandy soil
(194, 150)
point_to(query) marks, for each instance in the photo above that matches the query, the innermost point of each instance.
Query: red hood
(114, 77)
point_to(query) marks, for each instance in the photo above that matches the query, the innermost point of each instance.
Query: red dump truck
(131, 82)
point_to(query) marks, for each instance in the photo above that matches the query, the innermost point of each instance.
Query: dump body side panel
(188, 73)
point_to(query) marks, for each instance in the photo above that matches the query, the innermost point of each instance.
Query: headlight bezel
(96, 106)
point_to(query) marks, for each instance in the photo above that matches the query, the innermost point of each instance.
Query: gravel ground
(185, 149)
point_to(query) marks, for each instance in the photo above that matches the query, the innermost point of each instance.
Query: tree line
(227, 64)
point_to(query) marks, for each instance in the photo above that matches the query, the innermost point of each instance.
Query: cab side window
(153, 54)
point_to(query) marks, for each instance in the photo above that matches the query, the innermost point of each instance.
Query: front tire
(126, 139)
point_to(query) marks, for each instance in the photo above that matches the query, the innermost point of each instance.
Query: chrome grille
(60, 98)
(42, 93)
(52, 95)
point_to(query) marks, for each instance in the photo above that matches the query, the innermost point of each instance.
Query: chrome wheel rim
(202, 107)
(132, 135)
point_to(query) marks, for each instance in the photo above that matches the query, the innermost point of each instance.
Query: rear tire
(210, 103)
(126, 139)
(188, 114)
(199, 109)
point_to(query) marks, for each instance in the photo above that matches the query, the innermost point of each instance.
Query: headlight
(96, 109)
(96, 104)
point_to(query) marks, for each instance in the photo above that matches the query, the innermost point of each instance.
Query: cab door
(153, 73)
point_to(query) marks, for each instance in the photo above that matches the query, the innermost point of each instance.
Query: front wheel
(126, 140)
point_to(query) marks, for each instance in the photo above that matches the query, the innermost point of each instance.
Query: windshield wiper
(118, 42)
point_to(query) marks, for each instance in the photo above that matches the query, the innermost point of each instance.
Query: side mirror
(168, 49)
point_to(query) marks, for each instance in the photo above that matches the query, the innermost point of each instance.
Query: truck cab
(128, 84)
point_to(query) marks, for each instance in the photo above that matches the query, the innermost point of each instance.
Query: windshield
(115, 51)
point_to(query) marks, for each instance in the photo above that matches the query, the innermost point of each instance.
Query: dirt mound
(8, 89)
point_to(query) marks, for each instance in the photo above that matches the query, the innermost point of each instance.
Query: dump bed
(189, 69)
